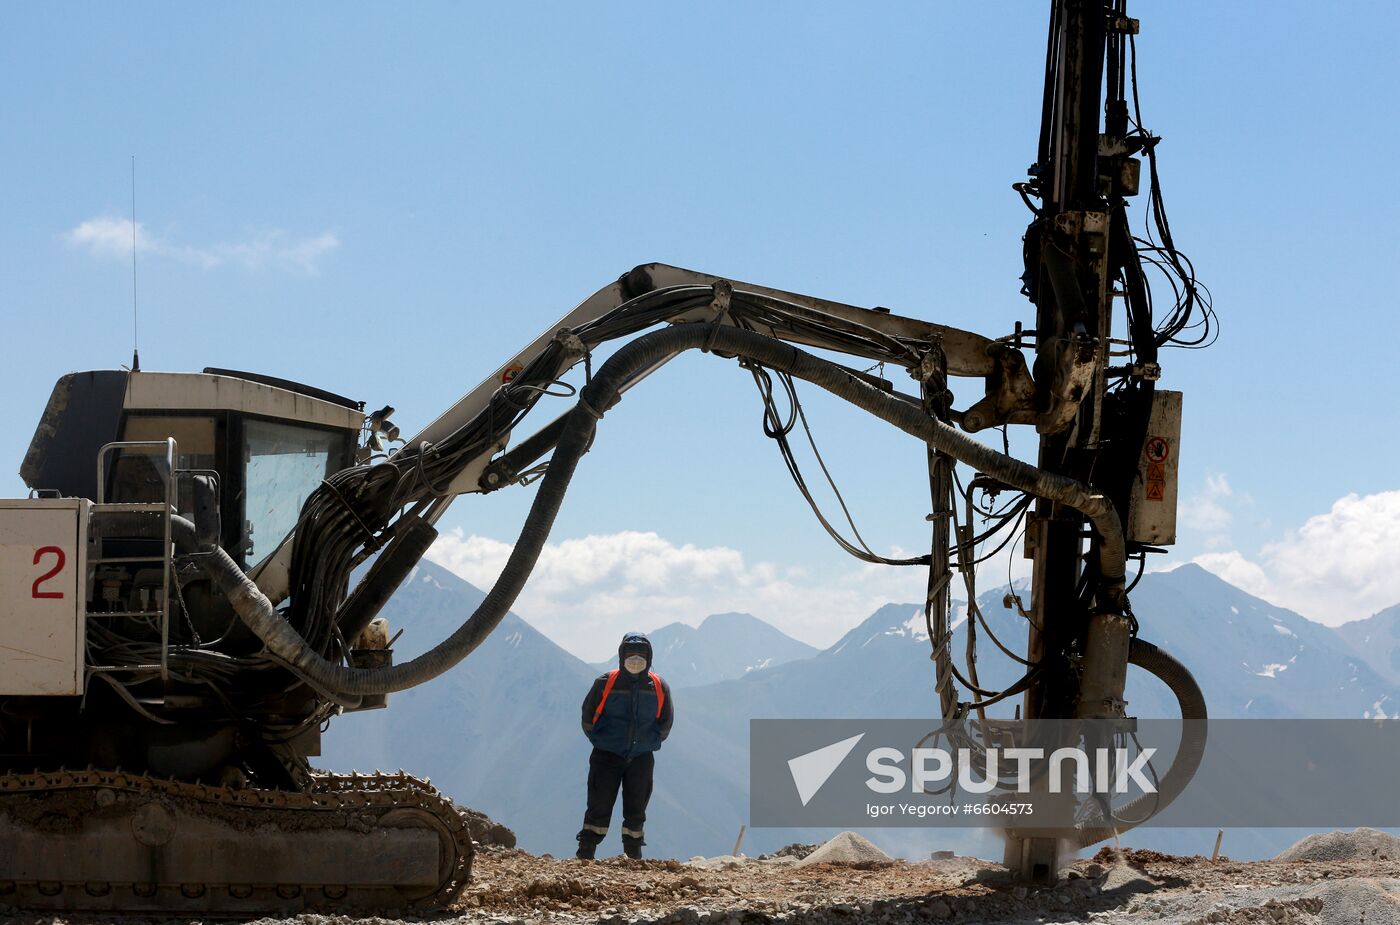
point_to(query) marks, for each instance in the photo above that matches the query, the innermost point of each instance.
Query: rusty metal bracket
(723, 291)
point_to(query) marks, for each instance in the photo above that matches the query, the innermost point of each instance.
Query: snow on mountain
(1252, 659)
(723, 647)
(1377, 641)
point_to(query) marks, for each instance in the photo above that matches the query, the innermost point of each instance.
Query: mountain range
(723, 647)
(1377, 640)
(500, 732)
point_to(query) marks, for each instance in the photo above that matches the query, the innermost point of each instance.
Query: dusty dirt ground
(512, 886)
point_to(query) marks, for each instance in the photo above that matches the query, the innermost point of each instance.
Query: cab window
(283, 464)
(138, 475)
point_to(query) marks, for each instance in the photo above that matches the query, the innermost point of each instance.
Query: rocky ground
(1340, 879)
(1134, 887)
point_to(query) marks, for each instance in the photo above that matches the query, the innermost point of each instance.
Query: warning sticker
(1156, 489)
(1156, 471)
(1157, 449)
(511, 372)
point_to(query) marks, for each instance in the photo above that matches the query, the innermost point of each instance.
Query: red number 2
(58, 567)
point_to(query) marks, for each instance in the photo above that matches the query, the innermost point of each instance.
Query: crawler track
(111, 841)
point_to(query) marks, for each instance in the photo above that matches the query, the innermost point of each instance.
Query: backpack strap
(660, 694)
(607, 689)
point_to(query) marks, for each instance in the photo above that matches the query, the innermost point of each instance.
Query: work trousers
(606, 772)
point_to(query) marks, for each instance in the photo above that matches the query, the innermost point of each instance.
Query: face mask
(635, 664)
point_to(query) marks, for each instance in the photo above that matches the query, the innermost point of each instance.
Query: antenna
(135, 349)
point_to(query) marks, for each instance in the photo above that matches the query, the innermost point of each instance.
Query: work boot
(632, 847)
(586, 850)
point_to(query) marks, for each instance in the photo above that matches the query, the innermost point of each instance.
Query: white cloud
(111, 237)
(1238, 571)
(1338, 566)
(585, 592)
(1206, 510)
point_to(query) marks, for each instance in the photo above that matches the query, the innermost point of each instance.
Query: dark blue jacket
(629, 724)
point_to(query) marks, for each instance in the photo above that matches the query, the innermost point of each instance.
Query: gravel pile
(795, 850)
(486, 831)
(1362, 844)
(1122, 880)
(846, 848)
(1354, 901)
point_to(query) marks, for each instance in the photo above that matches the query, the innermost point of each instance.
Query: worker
(626, 715)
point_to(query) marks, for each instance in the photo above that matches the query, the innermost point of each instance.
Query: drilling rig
(192, 588)
(1119, 433)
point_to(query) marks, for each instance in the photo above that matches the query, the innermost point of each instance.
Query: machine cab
(259, 444)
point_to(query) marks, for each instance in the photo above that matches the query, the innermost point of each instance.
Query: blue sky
(387, 202)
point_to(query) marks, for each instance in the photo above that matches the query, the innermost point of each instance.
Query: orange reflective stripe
(607, 689)
(660, 694)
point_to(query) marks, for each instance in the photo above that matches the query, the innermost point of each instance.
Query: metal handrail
(151, 447)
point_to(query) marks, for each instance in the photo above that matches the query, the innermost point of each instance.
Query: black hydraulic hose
(412, 538)
(185, 536)
(1192, 704)
(633, 360)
